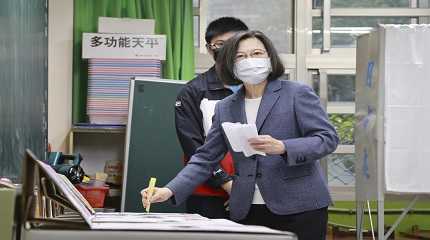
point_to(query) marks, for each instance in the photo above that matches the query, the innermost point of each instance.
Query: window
(196, 23)
(344, 30)
(340, 170)
(275, 20)
(344, 124)
(196, 3)
(370, 3)
(341, 88)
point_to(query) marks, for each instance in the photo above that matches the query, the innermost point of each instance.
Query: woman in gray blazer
(284, 189)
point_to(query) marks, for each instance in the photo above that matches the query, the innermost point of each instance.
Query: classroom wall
(60, 50)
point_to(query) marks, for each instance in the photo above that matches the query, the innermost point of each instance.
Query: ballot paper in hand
(238, 135)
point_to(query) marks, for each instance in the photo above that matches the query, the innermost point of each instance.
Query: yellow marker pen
(151, 187)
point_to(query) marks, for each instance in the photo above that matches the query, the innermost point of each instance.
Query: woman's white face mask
(253, 70)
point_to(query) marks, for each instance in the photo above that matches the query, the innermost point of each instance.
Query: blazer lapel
(238, 107)
(270, 97)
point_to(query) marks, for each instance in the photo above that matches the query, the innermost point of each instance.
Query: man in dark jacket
(193, 118)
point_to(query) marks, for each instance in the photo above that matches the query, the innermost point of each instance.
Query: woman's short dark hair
(226, 58)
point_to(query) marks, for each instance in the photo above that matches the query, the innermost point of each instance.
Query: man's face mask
(253, 70)
(234, 88)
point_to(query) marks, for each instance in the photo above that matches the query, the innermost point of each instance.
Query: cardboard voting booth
(393, 114)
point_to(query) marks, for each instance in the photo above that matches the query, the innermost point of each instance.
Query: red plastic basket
(95, 195)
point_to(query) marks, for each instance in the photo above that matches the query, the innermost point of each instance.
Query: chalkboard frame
(155, 88)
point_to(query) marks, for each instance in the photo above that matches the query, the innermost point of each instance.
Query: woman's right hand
(159, 195)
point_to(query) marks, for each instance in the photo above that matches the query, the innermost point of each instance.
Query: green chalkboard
(23, 82)
(152, 148)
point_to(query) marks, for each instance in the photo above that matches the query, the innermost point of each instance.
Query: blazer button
(258, 175)
(250, 175)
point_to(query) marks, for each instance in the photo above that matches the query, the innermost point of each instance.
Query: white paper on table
(238, 135)
(173, 222)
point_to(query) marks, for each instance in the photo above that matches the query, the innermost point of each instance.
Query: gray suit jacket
(289, 183)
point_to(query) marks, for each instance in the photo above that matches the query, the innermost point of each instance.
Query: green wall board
(152, 148)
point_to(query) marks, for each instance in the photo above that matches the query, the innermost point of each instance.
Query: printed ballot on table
(57, 188)
(238, 135)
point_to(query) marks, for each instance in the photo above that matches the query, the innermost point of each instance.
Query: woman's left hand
(227, 186)
(267, 144)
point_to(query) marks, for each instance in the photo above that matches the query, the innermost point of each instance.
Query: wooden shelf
(92, 128)
(98, 129)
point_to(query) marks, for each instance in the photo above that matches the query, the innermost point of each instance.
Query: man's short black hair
(224, 25)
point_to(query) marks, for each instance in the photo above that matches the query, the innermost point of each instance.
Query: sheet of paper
(238, 135)
(133, 217)
(75, 192)
(171, 222)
